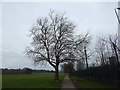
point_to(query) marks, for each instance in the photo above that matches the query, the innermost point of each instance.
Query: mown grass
(85, 83)
(36, 80)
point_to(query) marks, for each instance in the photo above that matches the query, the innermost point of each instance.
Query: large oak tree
(53, 40)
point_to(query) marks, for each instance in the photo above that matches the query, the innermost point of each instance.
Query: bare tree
(82, 50)
(111, 45)
(53, 41)
(113, 40)
(101, 49)
(87, 55)
(107, 48)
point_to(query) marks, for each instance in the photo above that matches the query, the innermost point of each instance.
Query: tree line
(23, 71)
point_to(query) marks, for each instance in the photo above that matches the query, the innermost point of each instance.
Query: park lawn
(36, 80)
(85, 83)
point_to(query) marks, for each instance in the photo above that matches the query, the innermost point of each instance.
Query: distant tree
(53, 41)
(108, 52)
(84, 53)
(68, 67)
(27, 70)
(100, 49)
(80, 65)
(113, 40)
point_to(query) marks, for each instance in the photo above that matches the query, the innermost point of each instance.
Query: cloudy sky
(17, 18)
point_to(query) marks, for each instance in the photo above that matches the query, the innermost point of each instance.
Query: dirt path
(67, 83)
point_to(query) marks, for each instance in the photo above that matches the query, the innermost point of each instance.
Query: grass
(0, 81)
(36, 80)
(85, 83)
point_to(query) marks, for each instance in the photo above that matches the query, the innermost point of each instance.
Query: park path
(67, 83)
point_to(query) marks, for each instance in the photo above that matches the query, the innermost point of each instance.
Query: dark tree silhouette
(53, 41)
(68, 68)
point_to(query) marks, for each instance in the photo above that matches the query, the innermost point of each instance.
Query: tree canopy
(54, 41)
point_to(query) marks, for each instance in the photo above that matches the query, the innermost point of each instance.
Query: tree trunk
(86, 57)
(56, 73)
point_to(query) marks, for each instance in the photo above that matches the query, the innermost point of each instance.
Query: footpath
(67, 83)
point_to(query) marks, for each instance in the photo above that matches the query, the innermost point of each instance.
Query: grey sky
(0, 34)
(18, 18)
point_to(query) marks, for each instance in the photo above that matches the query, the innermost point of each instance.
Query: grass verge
(85, 83)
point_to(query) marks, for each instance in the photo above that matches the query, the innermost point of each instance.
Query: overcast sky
(17, 18)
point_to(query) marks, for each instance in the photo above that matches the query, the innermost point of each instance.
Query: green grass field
(84, 83)
(37, 80)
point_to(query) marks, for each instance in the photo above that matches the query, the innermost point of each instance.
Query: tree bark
(56, 73)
